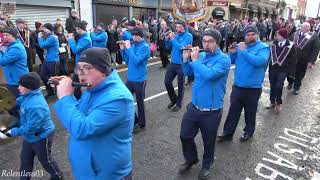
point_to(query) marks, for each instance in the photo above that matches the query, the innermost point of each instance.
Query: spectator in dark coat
(63, 51)
(112, 45)
(71, 22)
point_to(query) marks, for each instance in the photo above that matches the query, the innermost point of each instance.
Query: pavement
(284, 146)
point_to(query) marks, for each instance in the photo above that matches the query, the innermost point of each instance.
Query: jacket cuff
(14, 132)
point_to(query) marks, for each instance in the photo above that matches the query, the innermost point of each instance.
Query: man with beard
(211, 69)
(250, 59)
(307, 46)
(176, 42)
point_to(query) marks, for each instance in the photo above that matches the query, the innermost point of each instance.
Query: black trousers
(301, 69)
(173, 71)
(49, 69)
(138, 89)
(29, 58)
(40, 53)
(41, 149)
(208, 123)
(276, 81)
(164, 56)
(14, 111)
(240, 98)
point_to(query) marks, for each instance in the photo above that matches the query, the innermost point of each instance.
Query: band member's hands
(40, 34)
(310, 65)
(172, 35)
(195, 53)
(70, 36)
(65, 87)
(186, 53)
(242, 46)
(121, 45)
(127, 44)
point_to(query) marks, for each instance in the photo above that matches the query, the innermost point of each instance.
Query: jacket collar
(112, 78)
(30, 94)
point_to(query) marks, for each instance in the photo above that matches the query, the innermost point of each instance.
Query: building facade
(44, 11)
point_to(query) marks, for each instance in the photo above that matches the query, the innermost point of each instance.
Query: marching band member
(307, 46)
(99, 36)
(82, 43)
(176, 42)
(50, 44)
(211, 69)
(36, 127)
(251, 59)
(101, 122)
(282, 64)
(136, 57)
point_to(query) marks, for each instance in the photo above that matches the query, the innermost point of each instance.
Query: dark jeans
(14, 111)
(29, 58)
(63, 67)
(173, 71)
(301, 69)
(276, 81)
(49, 69)
(208, 123)
(138, 88)
(240, 98)
(40, 54)
(41, 149)
(164, 56)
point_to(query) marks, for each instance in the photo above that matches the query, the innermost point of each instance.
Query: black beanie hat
(99, 58)
(137, 31)
(11, 31)
(251, 28)
(213, 33)
(30, 81)
(182, 22)
(132, 23)
(48, 26)
(82, 25)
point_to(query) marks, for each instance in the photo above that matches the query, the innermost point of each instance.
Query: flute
(119, 42)
(189, 49)
(74, 84)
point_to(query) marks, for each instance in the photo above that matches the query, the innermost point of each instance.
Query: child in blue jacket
(36, 127)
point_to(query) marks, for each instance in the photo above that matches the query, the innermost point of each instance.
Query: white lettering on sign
(269, 173)
(284, 148)
(281, 161)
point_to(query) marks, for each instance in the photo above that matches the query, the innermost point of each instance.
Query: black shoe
(245, 138)
(137, 129)
(225, 137)
(186, 166)
(171, 105)
(175, 109)
(296, 92)
(289, 86)
(271, 106)
(204, 173)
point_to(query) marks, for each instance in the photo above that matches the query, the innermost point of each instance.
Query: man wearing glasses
(211, 69)
(251, 59)
(101, 122)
